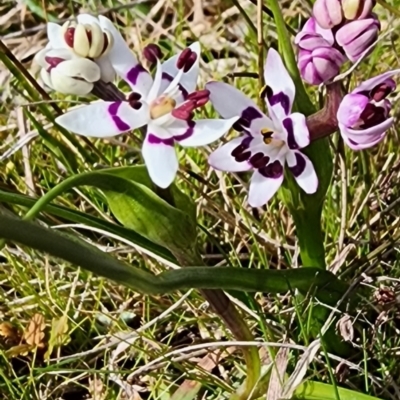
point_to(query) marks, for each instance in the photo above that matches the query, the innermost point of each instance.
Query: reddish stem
(324, 122)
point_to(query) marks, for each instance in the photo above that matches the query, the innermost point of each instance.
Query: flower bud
(87, 40)
(363, 114)
(318, 60)
(320, 65)
(357, 36)
(312, 36)
(328, 13)
(357, 9)
(67, 74)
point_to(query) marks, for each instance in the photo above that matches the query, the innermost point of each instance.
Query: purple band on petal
(153, 139)
(273, 170)
(300, 165)
(251, 113)
(189, 131)
(113, 110)
(167, 77)
(279, 98)
(291, 141)
(133, 74)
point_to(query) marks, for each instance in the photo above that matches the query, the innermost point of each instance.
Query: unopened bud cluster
(339, 30)
(76, 56)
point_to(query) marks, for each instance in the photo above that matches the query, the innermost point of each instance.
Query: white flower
(77, 55)
(267, 143)
(164, 105)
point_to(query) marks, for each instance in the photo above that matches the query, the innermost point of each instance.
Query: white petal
(303, 171)
(160, 157)
(45, 76)
(79, 68)
(125, 62)
(69, 85)
(277, 78)
(104, 119)
(231, 102)
(87, 19)
(201, 132)
(262, 189)
(106, 68)
(189, 79)
(55, 36)
(222, 159)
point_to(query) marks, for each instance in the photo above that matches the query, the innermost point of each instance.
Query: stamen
(134, 96)
(372, 116)
(381, 91)
(152, 53)
(186, 60)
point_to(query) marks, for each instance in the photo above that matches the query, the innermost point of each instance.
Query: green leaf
(89, 220)
(136, 206)
(321, 391)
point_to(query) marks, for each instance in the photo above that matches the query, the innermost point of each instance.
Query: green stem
(310, 236)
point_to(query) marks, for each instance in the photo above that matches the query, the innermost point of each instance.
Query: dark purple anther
(136, 106)
(372, 116)
(199, 94)
(182, 59)
(152, 53)
(134, 96)
(133, 100)
(53, 62)
(69, 36)
(379, 92)
(190, 62)
(184, 111)
(186, 60)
